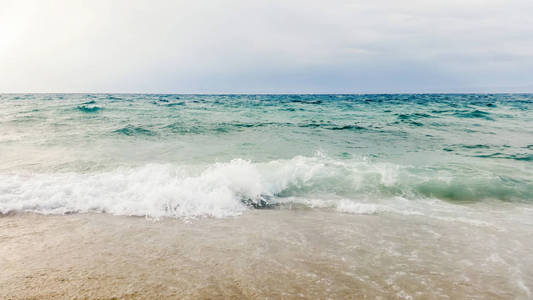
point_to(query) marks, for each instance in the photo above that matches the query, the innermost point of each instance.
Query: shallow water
(424, 196)
(297, 253)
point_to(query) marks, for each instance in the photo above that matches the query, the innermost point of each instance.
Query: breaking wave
(230, 188)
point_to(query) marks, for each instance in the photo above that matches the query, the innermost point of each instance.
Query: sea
(385, 195)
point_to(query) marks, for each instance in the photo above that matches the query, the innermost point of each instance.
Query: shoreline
(263, 253)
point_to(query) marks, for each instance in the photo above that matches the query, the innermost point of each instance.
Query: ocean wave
(175, 104)
(89, 109)
(131, 130)
(152, 190)
(181, 127)
(474, 114)
(413, 116)
(516, 156)
(230, 188)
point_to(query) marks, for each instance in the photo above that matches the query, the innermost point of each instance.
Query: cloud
(265, 46)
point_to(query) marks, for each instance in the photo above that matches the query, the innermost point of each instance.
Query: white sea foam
(153, 190)
(348, 206)
(222, 189)
(157, 190)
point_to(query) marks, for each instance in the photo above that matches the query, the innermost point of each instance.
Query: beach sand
(299, 253)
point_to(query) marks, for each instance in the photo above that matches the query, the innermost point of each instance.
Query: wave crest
(228, 189)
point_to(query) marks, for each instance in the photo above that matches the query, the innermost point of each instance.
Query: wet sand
(262, 254)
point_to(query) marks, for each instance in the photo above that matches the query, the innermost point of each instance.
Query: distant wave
(131, 130)
(226, 127)
(475, 114)
(89, 109)
(521, 156)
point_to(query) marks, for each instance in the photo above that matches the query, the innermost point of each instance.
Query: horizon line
(267, 94)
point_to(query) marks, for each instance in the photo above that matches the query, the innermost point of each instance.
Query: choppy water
(200, 155)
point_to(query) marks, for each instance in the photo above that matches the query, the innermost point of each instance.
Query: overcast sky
(276, 46)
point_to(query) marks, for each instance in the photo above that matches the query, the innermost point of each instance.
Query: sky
(266, 46)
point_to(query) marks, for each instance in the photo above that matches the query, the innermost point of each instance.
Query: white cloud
(265, 46)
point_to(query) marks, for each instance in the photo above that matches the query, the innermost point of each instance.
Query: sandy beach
(287, 254)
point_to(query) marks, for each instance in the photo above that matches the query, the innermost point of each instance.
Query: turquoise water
(221, 155)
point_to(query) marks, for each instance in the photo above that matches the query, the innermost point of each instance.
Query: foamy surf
(231, 188)
(156, 190)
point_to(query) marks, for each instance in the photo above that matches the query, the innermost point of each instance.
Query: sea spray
(228, 189)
